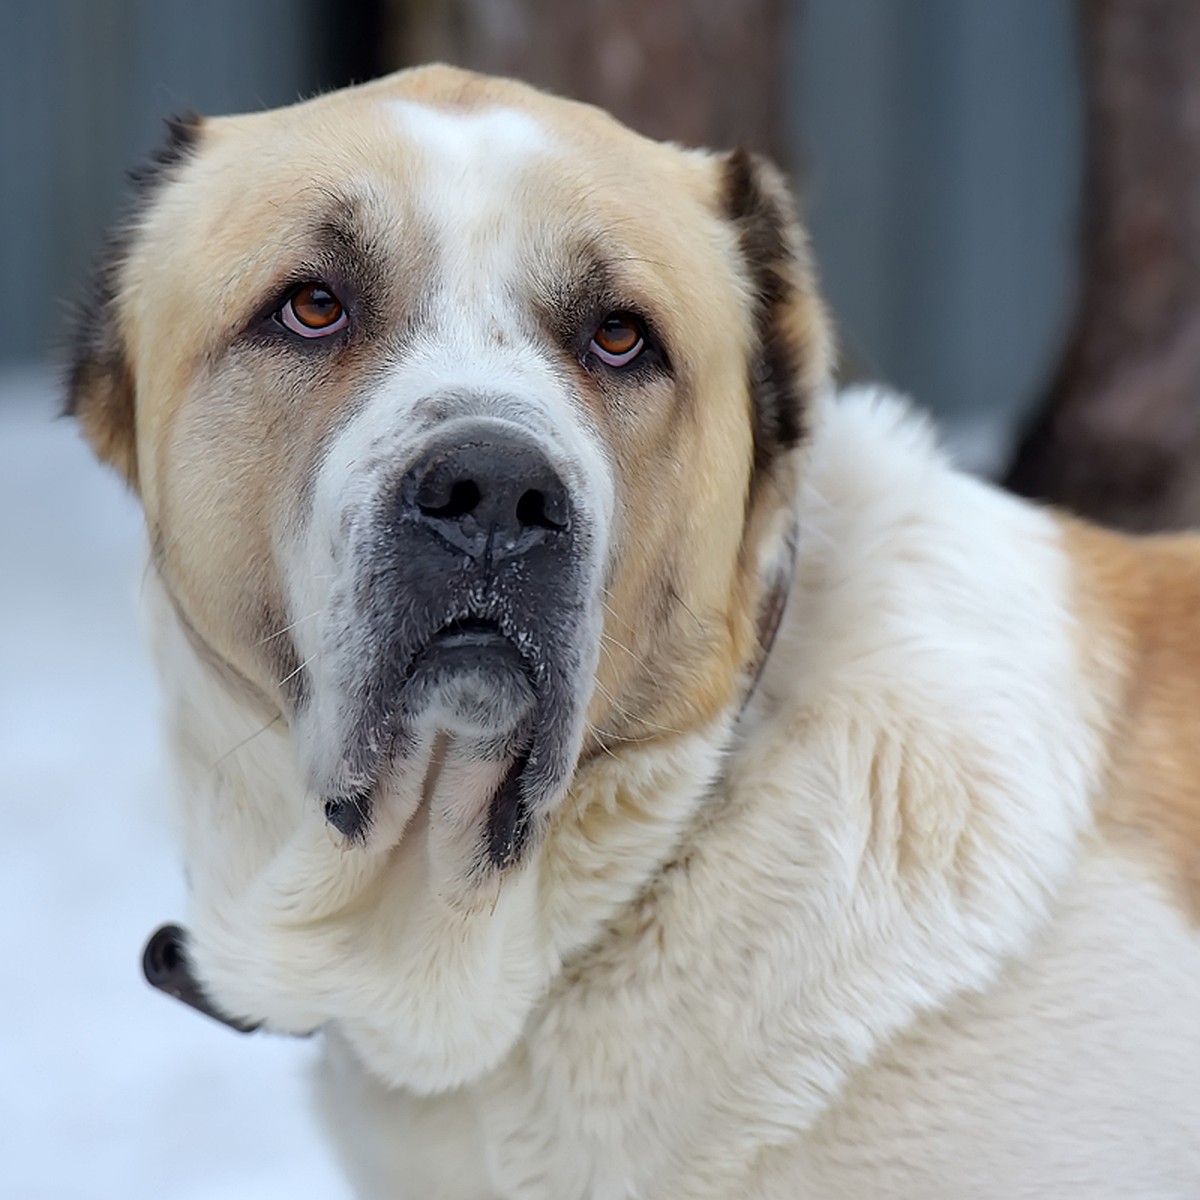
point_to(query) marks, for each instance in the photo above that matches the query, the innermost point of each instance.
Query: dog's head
(462, 418)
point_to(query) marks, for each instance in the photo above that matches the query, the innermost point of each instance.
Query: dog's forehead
(480, 178)
(474, 170)
(464, 117)
(412, 160)
(406, 127)
(434, 137)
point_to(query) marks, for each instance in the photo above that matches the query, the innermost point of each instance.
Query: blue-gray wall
(942, 148)
(84, 86)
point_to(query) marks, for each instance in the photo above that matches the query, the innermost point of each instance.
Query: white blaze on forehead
(470, 163)
(470, 168)
(463, 139)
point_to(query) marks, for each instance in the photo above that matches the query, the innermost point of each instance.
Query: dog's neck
(275, 893)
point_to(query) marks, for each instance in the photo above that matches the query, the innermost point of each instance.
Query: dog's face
(461, 417)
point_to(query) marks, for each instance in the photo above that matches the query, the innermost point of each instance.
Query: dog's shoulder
(1052, 635)
(1138, 605)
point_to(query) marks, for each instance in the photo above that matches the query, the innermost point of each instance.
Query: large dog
(656, 775)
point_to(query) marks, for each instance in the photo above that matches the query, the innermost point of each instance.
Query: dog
(655, 772)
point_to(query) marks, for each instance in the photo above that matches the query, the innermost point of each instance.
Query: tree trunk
(701, 72)
(1118, 435)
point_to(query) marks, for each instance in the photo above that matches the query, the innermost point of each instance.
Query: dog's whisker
(684, 605)
(601, 734)
(289, 628)
(612, 735)
(607, 639)
(608, 657)
(246, 740)
(636, 658)
(614, 614)
(296, 671)
(632, 716)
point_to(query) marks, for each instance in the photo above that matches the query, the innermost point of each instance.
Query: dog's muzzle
(473, 591)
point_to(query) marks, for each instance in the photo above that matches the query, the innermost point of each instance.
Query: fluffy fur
(912, 916)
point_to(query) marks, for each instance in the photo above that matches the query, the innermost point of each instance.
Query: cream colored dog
(656, 775)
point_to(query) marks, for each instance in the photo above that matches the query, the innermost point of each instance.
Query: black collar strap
(166, 967)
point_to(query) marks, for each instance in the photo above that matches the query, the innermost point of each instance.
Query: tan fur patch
(1140, 613)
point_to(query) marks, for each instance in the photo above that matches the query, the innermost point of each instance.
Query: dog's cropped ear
(790, 359)
(101, 391)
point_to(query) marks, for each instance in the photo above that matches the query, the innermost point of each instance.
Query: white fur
(459, 142)
(885, 958)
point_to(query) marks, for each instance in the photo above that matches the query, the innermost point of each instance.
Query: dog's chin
(459, 741)
(471, 684)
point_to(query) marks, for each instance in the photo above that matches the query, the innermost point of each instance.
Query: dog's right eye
(312, 311)
(619, 340)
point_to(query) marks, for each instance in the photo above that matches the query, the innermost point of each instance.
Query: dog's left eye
(619, 340)
(312, 311)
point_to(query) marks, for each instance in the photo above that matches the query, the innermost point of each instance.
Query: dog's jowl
(653, 773)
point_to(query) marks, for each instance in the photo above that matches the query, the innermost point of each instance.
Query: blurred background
(1005, 204)
(937, 146)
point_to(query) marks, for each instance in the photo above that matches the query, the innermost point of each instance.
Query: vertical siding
(943, 145)
(84, 86)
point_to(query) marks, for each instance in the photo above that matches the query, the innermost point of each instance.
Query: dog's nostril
(533, 511)
(464, 498)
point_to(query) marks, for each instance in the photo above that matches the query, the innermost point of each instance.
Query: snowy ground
(107, 1089)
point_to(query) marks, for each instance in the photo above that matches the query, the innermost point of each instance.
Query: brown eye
(619, 340)
(313, 311)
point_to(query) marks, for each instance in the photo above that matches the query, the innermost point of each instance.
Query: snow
(107, 1088)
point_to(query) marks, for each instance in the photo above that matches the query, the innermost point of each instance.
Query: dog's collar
(166, 967)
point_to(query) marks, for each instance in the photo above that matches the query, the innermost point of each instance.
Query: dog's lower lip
(463, 645)
(470, 633)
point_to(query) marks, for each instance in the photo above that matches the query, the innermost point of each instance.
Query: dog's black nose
(490, 493)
